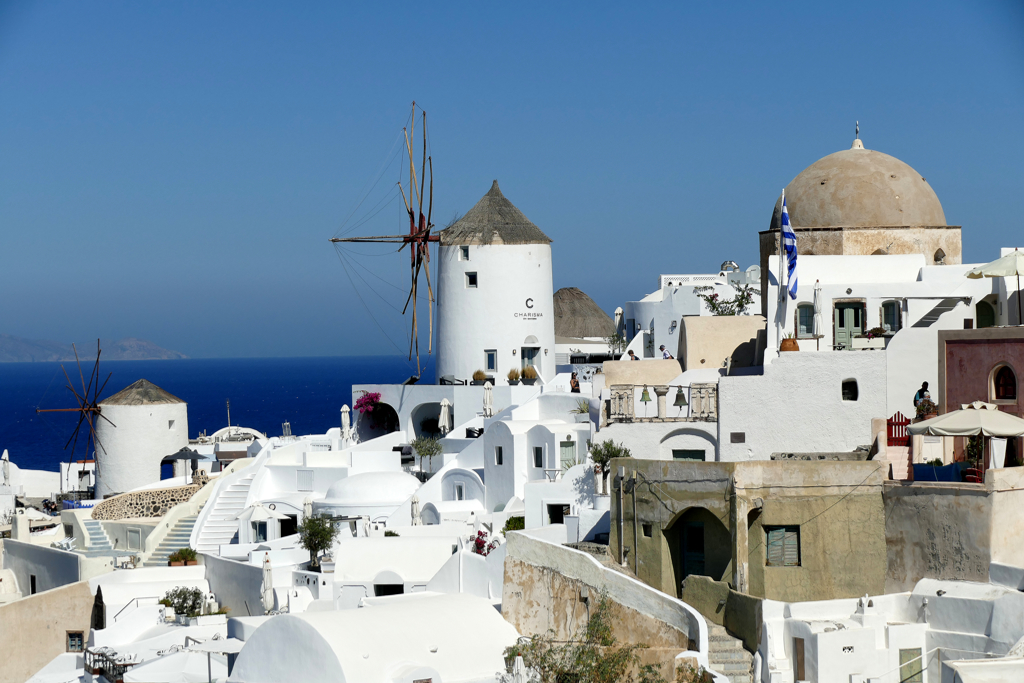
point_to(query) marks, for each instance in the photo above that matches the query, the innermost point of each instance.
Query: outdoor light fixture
(672, 328)
(513, 352)
(680, 401)
(646, 396)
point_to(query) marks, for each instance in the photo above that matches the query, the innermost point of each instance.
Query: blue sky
(172, 171)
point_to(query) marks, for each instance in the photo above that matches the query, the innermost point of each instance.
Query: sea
(264, 393)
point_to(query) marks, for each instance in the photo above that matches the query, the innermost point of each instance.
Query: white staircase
(217, 524)
(99, 542)
(177, 538)
(727, 656)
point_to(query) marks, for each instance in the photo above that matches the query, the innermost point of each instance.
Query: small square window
(463, 253)
(783, 545)
(76, 641)
(497, 455)
(648, 529)
(491, 359)
(737, 437)
(538, 456)
(687, 454)
(470, 279)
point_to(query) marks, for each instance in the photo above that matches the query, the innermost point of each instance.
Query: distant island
(18, 350)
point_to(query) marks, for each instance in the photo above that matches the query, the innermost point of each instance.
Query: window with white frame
(463, 253)
(491, 359)
(470, 280)
(497, 455)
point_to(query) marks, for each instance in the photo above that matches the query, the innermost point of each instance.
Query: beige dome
(859, 187)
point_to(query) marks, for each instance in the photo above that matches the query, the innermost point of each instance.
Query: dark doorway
(557, 513)
(166, 470)
(700, 544)
(380, 589)
(289, 526)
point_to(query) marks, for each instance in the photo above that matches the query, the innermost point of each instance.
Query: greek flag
(789, 244)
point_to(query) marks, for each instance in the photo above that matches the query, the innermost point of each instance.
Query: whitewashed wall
(511, 303)
(797, 405)
(131, 452)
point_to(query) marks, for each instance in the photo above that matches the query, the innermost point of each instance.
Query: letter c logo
(529, 303)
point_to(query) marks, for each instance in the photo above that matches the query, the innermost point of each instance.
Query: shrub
(427, 447)
(480, 546)
(317, 534)
(926, 406)
(937, 462)
(479, 376)
(514, 524)
(529, 372)
(367, 402)
(188, 601)
(513, 375)
(718, 306)
(388, 533)
(602, 454)
(183, 555)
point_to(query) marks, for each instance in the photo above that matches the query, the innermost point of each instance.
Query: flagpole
(778, 303)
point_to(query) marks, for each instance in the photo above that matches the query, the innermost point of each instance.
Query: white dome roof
(372, 488)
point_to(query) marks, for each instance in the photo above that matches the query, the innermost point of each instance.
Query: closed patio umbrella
(346, 422)
(268, 584)
(1008, 266)
(488, 400)
(818, 326)
(445, 417)
(972, 419)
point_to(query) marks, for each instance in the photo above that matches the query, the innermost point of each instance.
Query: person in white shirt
(665, 354)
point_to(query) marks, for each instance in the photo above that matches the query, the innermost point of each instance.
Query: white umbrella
(268, 584)
(415, 511)
(972, 419)
(818, 326)
(6, 467)
(445, 417)
(307, 508)
(180, 667)
(346, 422)
(258, 513)
(488, 400)
(1008, 266)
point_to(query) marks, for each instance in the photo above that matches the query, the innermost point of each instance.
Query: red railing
(896, 430)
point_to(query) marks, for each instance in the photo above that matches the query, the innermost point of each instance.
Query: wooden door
(849, 322)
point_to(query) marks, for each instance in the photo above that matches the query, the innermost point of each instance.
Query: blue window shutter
(775, 547)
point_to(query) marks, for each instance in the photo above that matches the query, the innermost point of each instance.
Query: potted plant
(513, 376)
(317, 535)
(182, 557)
(582, 410)
(427, 447)
(789, 343)
(926, 410)
(602, 454)
(480, 377)
(529, 375)
(875, 338)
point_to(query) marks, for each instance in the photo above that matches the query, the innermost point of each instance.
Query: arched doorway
(424, 420)
(700, 544)
(380, 421)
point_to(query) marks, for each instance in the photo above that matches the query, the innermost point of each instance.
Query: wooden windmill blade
(419, 237)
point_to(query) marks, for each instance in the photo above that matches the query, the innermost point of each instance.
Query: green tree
(592, 655)
(602, 454)
(317, 534)
(427, 447)
(718, 306)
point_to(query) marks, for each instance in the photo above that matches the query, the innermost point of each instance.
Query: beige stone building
(782, 530)
(862, 202)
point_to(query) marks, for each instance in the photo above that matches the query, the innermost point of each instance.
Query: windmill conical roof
(142, 393)
(493, 220)
(576, 315)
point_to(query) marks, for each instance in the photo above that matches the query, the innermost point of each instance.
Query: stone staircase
(176, 538)
(221, 524)
(727, 656)
(99, 542)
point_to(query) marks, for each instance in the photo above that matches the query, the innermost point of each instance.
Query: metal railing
(107, 663)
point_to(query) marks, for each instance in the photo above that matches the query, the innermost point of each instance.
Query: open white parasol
(972, 419)
(1008, 266)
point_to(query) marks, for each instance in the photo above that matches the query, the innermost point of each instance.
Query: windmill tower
(495, 295)
(146, 424)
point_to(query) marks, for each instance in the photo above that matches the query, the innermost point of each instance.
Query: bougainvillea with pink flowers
(367, 402)
(480, 546)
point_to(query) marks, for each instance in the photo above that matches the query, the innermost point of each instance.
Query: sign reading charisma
(531, 315)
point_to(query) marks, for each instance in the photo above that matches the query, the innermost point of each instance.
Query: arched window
(805, 320)
(985, 314)
(1004, 384)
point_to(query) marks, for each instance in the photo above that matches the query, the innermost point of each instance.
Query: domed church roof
(493, 220)
(859, 187)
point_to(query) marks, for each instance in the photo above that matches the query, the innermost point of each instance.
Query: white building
(494, 295)
(143, 424)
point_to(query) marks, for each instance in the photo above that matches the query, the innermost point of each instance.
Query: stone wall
(552, 588)
(141, 504)
(33, 630)
(740, 614)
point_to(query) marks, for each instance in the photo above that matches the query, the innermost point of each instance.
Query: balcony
(697, 402)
